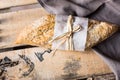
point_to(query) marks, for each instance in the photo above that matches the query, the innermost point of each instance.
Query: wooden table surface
(12, 23)
(11, 3)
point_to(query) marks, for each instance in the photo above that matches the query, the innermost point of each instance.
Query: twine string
(67, 37)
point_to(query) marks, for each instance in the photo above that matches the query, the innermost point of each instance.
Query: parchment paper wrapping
(79, 38)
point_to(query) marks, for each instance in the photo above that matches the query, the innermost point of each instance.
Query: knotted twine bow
(67, 37)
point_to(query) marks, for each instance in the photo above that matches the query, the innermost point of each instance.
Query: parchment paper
(79, 38)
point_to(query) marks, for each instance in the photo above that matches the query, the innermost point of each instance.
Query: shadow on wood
(15, 48)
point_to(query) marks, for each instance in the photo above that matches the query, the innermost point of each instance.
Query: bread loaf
(38, 33)
(42, 31)
(99, 31)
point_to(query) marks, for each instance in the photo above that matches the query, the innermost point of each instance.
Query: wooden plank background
(65, 65)
(11, 3)
(12, 23)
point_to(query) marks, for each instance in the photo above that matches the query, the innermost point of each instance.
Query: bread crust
(38, 33)
(42, 31)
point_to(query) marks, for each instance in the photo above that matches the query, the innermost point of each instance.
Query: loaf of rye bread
(40, 32)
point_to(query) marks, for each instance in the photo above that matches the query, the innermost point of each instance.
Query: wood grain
(65, 65)
(11, 3)
(12, 23)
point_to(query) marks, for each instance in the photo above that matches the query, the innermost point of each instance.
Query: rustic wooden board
(61, 64)
(18, 8)
(11, 3)
(12, 23)
(65, 65)
(105, 77)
